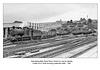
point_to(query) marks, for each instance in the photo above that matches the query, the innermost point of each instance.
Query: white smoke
(24, 24)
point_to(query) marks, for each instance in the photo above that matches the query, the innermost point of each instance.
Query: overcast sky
(48, 12)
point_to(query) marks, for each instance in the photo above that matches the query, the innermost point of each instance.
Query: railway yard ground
(57, 47)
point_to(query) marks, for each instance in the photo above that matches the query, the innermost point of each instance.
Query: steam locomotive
(23, 34)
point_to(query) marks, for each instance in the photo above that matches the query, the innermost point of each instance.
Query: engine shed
(7, 27)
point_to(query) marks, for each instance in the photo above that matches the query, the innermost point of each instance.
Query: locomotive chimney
(13, 27)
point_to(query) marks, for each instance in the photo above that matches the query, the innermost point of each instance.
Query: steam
(24, 24)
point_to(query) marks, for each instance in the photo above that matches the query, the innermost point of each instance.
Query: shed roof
(11, 24)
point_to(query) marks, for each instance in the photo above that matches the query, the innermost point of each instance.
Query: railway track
(27, 49)
(26, 42)
(35, 42)
(60, 50)
(14, 47)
